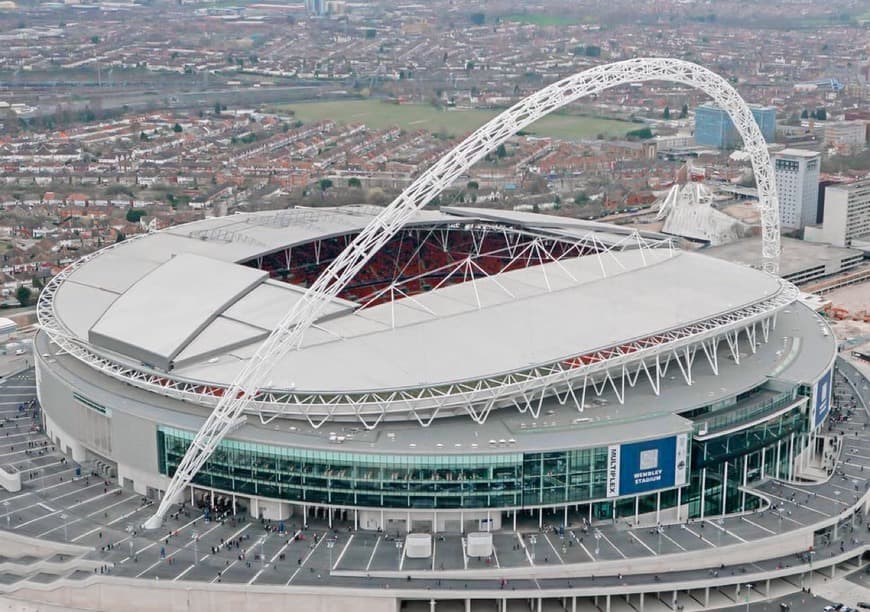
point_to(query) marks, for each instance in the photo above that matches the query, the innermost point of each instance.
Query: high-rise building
(714, 127)
(797, 185)
(847, 214)
(316, 7)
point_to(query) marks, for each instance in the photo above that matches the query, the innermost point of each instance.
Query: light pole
(812, 554)
(8, 516)
(130, 531)
(330, 545)
(748, 595)
(597, 541)
(64, 517)
(195, 537)
(533, 540)
(399, 548)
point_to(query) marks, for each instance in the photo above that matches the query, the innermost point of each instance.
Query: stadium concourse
(81, 537)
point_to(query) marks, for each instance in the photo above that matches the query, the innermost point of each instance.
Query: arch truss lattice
(288, 334)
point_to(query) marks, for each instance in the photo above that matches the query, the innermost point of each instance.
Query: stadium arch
(288, 334)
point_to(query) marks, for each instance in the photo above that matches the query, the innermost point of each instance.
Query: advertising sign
(821, 399)
(641, 467)
(613, 470)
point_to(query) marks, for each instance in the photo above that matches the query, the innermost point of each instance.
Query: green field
(378, 115)
(541, 19)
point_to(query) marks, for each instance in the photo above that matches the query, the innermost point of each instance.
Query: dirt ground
(855, 298)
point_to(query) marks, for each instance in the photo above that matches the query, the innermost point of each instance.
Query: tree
(177, 128)
(371, 33)
(684, 112)
(469, 66)
(821, 114)
(593, 51)
(478, 19)
(641, 134)
(581, 198)
(217, 108)
(667, 113)
(354, 182)
(501, 152)
(134, 214)
(473, 186)
(325, 184)
(22, 294)
(95, 39)
(143, 136)
(120, 237)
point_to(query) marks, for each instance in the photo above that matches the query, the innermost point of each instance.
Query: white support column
(703, 489)
(636, 509)
(745, 477)
(791, 457)
(724, 487)
(679, 503)
(659, 506)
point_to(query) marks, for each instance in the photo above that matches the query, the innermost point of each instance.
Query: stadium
(483, 364)
(452, 398)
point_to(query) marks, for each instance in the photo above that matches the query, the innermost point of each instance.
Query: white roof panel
(156, 318)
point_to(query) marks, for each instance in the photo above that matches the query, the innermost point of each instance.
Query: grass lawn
(541, 19)
(377, 115)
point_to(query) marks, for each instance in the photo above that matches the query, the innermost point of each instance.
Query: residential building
(846, 134)
(713, 126)
(797, 185)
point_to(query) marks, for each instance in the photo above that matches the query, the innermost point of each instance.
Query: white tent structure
(688, 212)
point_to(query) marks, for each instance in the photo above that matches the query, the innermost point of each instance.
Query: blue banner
(647, 466)
(822, 399)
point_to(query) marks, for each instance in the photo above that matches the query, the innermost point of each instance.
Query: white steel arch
(229, 412)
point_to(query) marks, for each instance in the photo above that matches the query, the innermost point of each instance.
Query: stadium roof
(177, 299)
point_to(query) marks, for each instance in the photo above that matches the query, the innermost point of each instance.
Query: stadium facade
(483, 366)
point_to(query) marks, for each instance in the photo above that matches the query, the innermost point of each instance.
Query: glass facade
(395, 481)
(720, 466)
(713, 126)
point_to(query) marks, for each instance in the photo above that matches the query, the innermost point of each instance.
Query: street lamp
(130, 531)
(597, 541)
(8, 516)
(195, 537)
(533, 540)
(262, 554)
(812, 554)
(64, 517)
(748, 595)
(330, 545)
